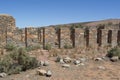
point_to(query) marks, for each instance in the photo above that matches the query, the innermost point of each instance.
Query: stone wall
(7, 27)
(80, 38)
(61, 37)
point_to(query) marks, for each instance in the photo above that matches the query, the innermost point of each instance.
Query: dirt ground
(89, 71)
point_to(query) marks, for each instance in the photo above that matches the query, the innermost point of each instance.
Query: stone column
(114, 38)
(93, 38)
(50, 37)
(65, 38)
(79, 38)
(104, 38)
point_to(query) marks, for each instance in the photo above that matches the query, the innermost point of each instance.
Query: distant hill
(107, 22)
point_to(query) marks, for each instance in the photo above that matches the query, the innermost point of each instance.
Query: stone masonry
(57, 37)
(7, 27)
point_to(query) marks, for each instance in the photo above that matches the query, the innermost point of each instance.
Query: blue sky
(50, 12)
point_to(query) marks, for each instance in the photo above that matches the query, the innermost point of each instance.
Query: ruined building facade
(58, 37)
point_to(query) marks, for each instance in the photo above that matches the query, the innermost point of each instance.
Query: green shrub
(5, 63)
(10, 47)
(14, 54)
(15, 69)
(114, 52)
(25, 60)
(17, 61)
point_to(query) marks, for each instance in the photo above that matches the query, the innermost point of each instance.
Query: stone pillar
(65, 38)
(79, 38)
(50, 37)
(104, 38)
(32, 36)
(114, 38)
(93, 38)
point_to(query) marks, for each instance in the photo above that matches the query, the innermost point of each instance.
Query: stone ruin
(7, 27)
(58, 37)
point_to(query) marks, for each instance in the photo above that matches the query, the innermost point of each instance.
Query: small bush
(15, 69)
(17, 61)
(25, 60)
(114, 52)
(14, 54)
(10, 47)
(5, 63)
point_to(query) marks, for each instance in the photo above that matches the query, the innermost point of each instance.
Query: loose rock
(58, 59)
(82, 59)
(98, 59)
(49, 73)
(114, 58)
(41, 72)
(66, 65)
(61, 61)
(41, 63)
(46, 63)
(67, 60)
(76, 62)
(2, 75)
